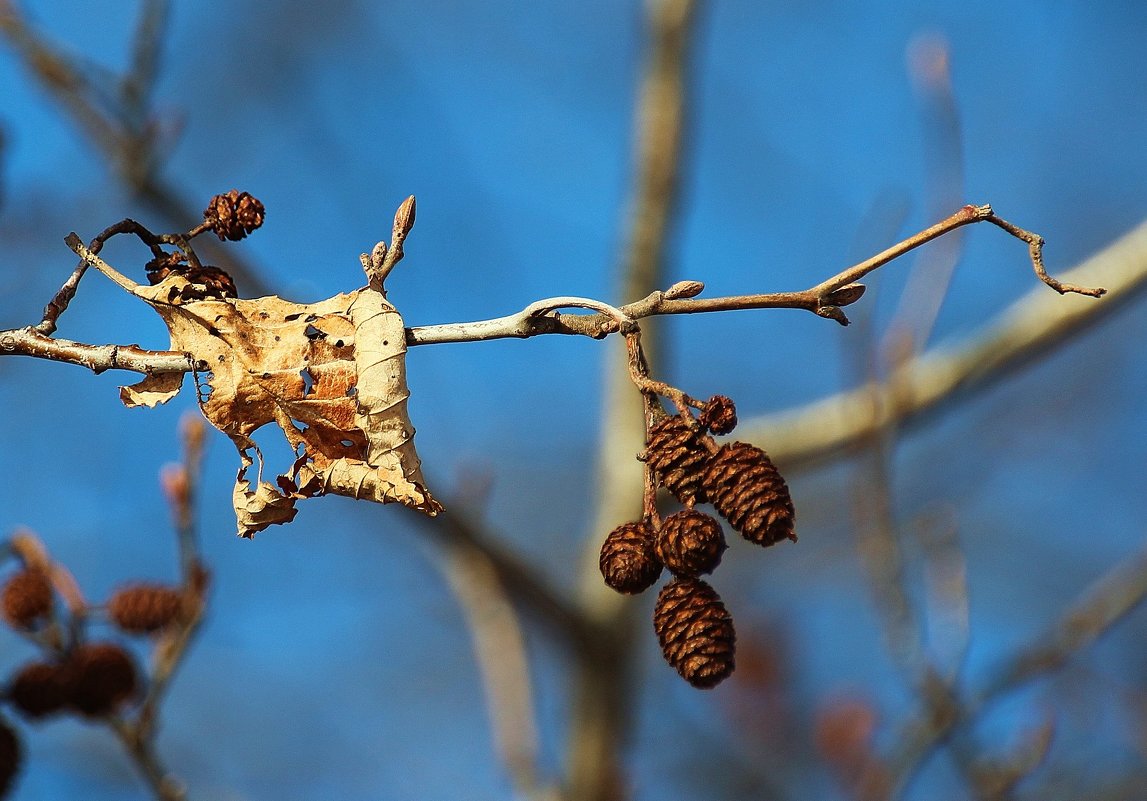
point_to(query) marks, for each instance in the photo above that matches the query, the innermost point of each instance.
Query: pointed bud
(684, 289)
(404, 218)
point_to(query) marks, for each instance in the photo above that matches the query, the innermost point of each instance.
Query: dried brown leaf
(265, 506)
(331, 375)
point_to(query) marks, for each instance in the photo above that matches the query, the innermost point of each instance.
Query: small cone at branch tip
(11, 756)
(628, 560)
(38, 689)
(27, 598)
(747, 490)
(677, 455)
(690, 543)
(719, 415)
(695, 632)
(234, 215)
(145, 608)
(101, 678)
(162, 266)
(214, 282)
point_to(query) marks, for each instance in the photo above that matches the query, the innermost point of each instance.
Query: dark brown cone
(745, 487)
(215, 282)
(11, 755)
(101, 677)
(234, 215)
(27, 598)
(38, 690)
(628, 559)
(162, 266)
(208, 281)
(719, 415)
(695, 631)
(144, 608)
(677, 455)
(690, 543)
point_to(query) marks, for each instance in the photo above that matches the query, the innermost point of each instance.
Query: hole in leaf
(351, 391)
(308, 382)
(313, 333)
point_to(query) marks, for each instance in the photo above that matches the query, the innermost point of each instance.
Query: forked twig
(540, 317)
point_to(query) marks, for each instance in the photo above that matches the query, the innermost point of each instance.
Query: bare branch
(116, 117)
(1028, 329)
(538, 318)
(97, 358)
(824, 299)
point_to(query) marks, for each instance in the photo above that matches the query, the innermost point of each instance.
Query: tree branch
(540, 317)
(115, 116)
(97, 358)
(1028, 329)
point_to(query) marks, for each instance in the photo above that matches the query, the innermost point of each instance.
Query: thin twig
(64, 295)
(825, 299)
(163, 785)
(97, 358)
(1028, 329)
(117, 120)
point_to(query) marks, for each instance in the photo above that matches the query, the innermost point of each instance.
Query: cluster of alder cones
(92, 679)
(230, 216)
(743, 486)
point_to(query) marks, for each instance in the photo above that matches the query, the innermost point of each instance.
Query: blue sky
(335, 662)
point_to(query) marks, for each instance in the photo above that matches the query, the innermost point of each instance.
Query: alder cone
(695, 631)
(27, 597)
(745, 487)
(162, 266)
(628, 561)
(719, 414)
(144, 608)
(677, 455)
(11, 755)
(690, 543)
(216, 283)
(39, 690)
(234, 215)
(101, 677)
